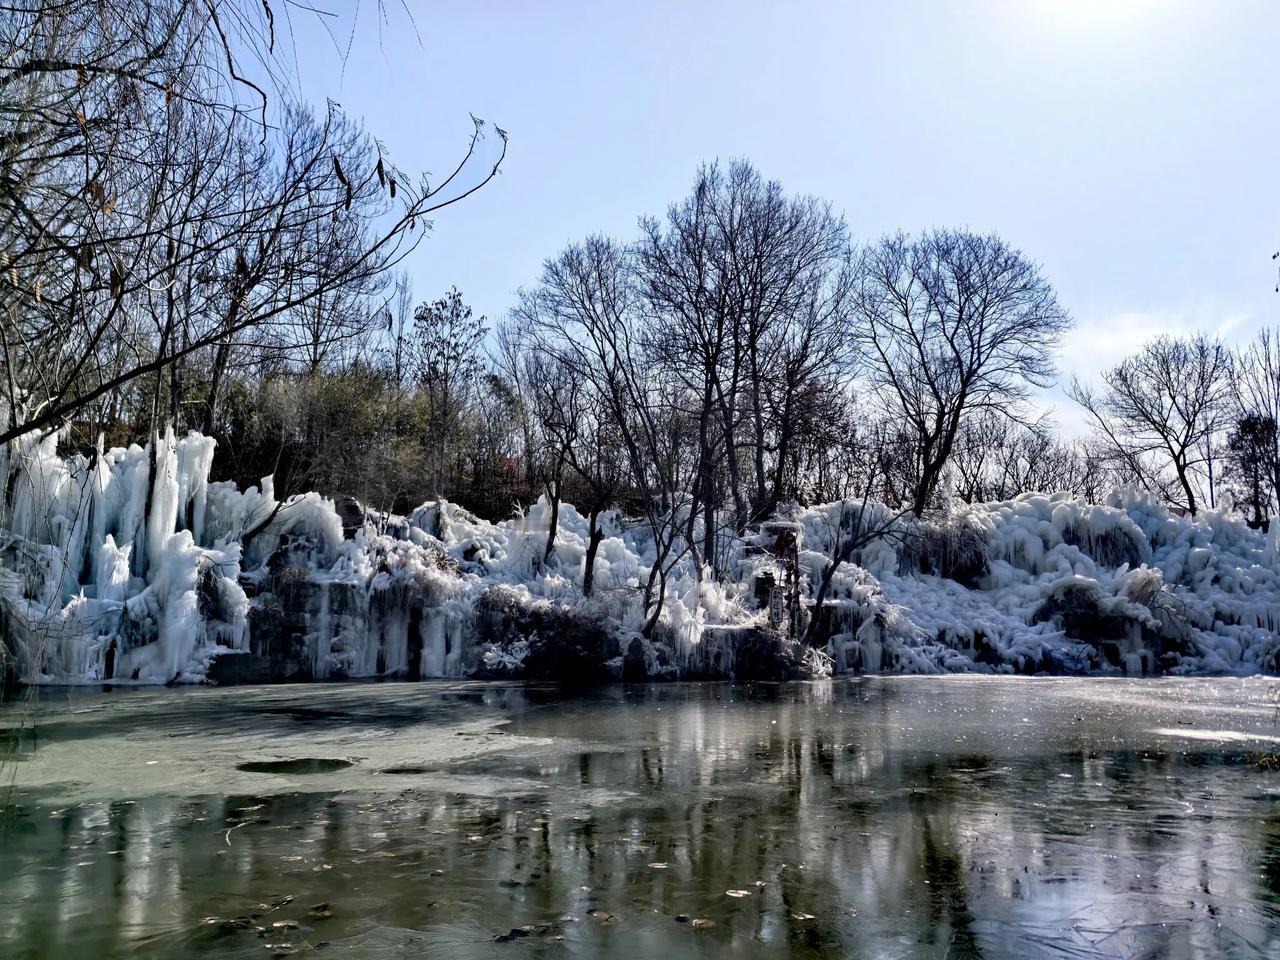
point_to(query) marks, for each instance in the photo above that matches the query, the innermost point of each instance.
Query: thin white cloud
(1099, 343)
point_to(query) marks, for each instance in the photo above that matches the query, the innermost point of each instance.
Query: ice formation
(1047, 582)
(106, 571)
(128, 565)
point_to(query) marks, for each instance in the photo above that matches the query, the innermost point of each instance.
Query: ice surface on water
(907, 817)
(130, 565)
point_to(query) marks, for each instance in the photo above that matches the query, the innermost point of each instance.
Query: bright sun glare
(1093, 15)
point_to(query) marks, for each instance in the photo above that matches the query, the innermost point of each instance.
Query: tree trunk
(214, 399)
(930, 475)
(1186, 487)
(828, 573)
(221, 357)
(784, 451)
(742, 513)
(652, 623)
(757, 416)
(593, 544)
(1213, 499)
(553, 494)
(143, 539)
(649, 605)
(708, 522)
(923, 490)
(165, 336)
(1275, 480)
(442, 447)
(175, 391)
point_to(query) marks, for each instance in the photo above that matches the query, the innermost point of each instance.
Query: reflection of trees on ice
(971, 811)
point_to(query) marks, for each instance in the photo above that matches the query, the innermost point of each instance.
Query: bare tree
(512, 345)
(952, 324)
(447, 342)
(996, 458)
(489, 441)
(400, 330)
(585, 312)
(683, 271)
(1257, 393)
(1251, 447)
(149, 215)
(578, 438)
(599, 462)
(746, 286)
(556, 393)
(1161, 412)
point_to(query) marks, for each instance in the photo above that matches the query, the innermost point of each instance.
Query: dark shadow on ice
(296, 765)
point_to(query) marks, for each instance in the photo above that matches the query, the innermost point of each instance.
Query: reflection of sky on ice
(908, 816)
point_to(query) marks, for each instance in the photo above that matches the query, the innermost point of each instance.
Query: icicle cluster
(107, 572)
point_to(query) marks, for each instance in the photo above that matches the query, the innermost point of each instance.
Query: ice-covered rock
(130, 565)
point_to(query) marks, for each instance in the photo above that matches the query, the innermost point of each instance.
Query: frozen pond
(895, 817)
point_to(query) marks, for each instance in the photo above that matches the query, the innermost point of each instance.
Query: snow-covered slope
(1053, 583)
(130, 567)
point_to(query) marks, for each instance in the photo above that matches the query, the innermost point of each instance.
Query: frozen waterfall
(129, 565)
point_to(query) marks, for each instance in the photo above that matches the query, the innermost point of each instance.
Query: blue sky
(1130, 147)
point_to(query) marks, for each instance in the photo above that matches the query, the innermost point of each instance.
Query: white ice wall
(105, 557)
(109, 566)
